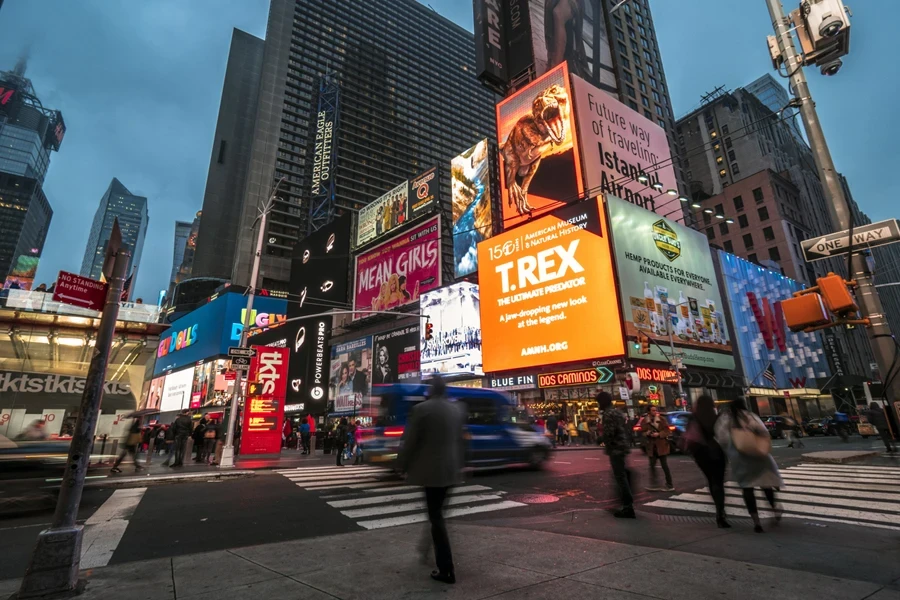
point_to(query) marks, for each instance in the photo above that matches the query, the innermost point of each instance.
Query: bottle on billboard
(651, 307)
(662, 308)
(695, 319)
(685, 312)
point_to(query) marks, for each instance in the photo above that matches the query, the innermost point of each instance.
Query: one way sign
(865, 236)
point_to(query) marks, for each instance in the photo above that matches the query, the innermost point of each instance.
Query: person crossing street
(657, 433)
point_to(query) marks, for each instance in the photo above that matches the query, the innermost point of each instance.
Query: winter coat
(434, 445)
(656, 446)
(615, 433)
(747, 471)
(182, 426)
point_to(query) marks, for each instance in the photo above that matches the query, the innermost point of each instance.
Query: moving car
(495, 440)
(818, 427)
(776, 426)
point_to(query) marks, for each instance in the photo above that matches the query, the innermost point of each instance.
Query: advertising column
(264, 408)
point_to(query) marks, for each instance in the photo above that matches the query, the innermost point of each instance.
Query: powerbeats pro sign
(264, 408)
(548, 294)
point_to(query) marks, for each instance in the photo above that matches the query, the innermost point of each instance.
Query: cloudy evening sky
(139, 82)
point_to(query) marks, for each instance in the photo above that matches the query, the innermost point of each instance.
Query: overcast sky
(139, 82)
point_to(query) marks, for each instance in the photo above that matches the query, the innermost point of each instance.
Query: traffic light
(836, 293)
(429, 331)
(645, 345)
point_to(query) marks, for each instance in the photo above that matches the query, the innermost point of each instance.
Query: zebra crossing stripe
(791, 494)
(332, 469)
(875, 475)
(450, 513)
(395, 497)
(838, 480)
(817, 482)
(355, 486)
(320, 484)
(411, 506)
(849, 468)
(829, 491)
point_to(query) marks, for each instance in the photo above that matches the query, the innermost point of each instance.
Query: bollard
(188, 448)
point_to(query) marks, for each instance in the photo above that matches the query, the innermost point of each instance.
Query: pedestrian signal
(429, 331)
(836, 293)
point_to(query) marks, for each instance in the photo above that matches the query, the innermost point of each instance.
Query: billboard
(383, 214)
(396, 272)
(155, 393)
(753, 295)
(264, 407)
(470, 183)
(424, 192)
(618, 145)
(397, 356)
(490, 42)
(176, 392)
(548, 292)
(454, 312)
(666, 274)
(351, 369)
(540, 168)
(561, 30)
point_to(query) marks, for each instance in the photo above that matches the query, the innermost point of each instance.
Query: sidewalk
(492, 562)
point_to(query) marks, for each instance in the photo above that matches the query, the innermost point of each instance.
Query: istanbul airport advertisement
(539, 164)
(666, 270)
(548, 292)
(399, 270)
(472, 221)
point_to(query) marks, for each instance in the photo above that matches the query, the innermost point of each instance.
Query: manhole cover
(534, 498)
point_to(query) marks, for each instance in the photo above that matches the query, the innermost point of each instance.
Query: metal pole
(56, 559)
(228, 451)
(881, 339)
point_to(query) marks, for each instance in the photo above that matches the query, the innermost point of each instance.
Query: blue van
(494, 439)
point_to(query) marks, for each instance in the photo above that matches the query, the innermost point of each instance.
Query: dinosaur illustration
(531, 137)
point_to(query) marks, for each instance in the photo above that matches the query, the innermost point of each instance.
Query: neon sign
(177, 341)
(257, 320)
(657, 375)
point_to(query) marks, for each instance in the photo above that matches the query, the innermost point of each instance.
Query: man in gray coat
(433, 456)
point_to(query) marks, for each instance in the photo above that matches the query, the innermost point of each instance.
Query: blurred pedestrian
(561, 432)
(655, 428)
(615, 438)
(340, 440)
(198, 436)
(876, 417)
(35, 432)
(132, 441)
(433, 456)
(552, 424)
(572, 432)
(210, 435)
(304, 435)
(842, 425)
(700, 442)
(791, 431)
(357, 443)
(286, 432)
(747, 445)
(584, 434)
(181, 431)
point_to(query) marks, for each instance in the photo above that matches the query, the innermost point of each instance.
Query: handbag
(133, 439)
(747, 442)
(693, 438)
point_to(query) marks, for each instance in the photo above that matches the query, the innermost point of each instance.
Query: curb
(839, 457)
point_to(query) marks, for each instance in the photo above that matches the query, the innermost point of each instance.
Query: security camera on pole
(823, 30)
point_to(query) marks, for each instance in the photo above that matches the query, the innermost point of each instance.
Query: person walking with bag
(615, 439)
(433, 456)
(131, 446)
(876, 417)
(700, 442)
(656, 431)
(340, 440)
(747, 445)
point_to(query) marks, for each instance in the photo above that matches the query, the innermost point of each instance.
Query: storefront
(192, 359)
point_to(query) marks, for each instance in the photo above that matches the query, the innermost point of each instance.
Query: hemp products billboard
(665, 274)
(548, 292)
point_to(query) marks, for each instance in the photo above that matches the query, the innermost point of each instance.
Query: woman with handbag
(130, 446)
(700, 442)
(747, 444)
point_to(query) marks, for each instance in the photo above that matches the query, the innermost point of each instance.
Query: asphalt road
(186, 518)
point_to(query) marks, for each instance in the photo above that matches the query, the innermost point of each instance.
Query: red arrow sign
(80, 291)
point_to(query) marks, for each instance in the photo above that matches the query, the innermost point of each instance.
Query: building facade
(182, 233)
(131, 211)
(776, 98)
(409, 100)
(28, 134)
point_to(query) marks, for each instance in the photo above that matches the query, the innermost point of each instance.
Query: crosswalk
(867, 496)
(375, 499)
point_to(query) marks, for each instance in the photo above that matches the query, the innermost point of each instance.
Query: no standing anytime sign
(80, 291)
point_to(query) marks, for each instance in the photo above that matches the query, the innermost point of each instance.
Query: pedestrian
(700, 442)
(170, 444)
(842, 425)
(615, 438)
(198, 435)
(552, 425)
(561, 432)
(131, 446)
(160, 439)
(286, 432)
(657, 433)
(210, 435)
(357, 443)
(304, 435)
(181, 431)
(573, 433)
(791, 433)
(876, 417)
(433, 456)
(584, 434)
(747, 445)
(340, 440)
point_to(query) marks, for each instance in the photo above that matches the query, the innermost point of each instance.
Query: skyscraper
(182, 233)
(408, 100)
(131, 211)
(776, 98)
(28, 133)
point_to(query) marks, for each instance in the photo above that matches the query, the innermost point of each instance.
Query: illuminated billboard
(176, 393)
(540, 168)
(399, 270)
(470, 175)
(548, 292)
(424, 192)
(454, 313)
(383, 214)
(264, 406)
(618, 145)
(351, 375)
(397, 357)
(666, 275)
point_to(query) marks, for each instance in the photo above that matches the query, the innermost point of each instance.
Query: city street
(829, 508)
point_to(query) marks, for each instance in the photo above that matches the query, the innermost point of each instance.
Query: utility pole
(884, 347)
(227, 460)
(56, 559)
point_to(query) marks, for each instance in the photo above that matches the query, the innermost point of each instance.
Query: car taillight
(393, 431)
(636, 428)
(672, 428)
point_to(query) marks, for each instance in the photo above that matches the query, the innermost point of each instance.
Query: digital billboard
(396, 356)
(454, 313)
(176, 392)
(399, 270)
(383, 214)
(424, 193)
(618, 145)
(540, 167)
(470, 183)
(319, 269)
(548, 292)
(264, 407)
(155, 393)
(666, 273)
(351, 375)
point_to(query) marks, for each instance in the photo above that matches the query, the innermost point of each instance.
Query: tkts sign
(264, 407)
(770, 319)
